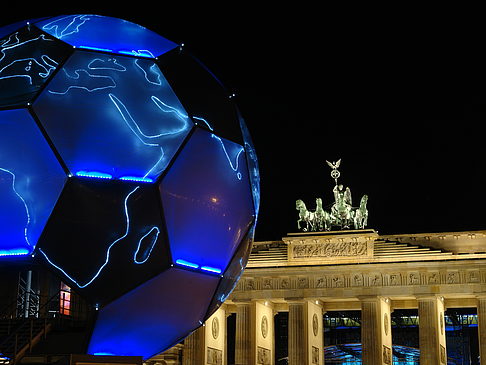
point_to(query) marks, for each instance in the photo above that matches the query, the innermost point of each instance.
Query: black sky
(398, 94)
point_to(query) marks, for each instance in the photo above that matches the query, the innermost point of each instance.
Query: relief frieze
(362, 279)
(329, 249)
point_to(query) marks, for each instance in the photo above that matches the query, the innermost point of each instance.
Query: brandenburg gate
(319, 270)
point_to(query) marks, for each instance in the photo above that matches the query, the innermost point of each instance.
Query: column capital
(295, 300)
(425, 297)
(373, 298)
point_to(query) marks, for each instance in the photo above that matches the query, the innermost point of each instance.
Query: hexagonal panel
(31, 180)
(207, 201)
(105, 237)
(113, 115)
(202, 94)
(158, 316)
(90, 31)
(28, 58)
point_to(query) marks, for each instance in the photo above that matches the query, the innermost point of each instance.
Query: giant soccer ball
(126, 169)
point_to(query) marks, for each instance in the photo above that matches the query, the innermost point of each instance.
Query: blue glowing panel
(28, 58)
(233, 274)
(252, 164)
(31, 181)
(207, 201)
(107, 34)
(160, 318)
(116, 237)
(113, 116)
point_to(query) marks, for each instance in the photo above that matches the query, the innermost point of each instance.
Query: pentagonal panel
(31, 180)
(161, 312)
(113, 115)
(107, 34)
(207, 201)
(27, 59)
(105, 237)
(202, 94)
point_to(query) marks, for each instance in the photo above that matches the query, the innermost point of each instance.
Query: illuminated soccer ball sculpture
(125, 168)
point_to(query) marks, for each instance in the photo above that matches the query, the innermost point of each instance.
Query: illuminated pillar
(193, 352)
(206, 345)
(376, 336)
(254, 333)
(215, 338)
(306, 342)
(482, 327)
(243, 341)
(432, 330)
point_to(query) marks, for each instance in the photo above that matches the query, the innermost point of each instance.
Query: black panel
(105, 237)
(201, 94)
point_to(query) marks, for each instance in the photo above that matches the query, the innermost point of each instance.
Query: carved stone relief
(363, 279)
(413, 278)
(443, 355)
(433, 278)
(357, 280)
(215, 327)
(395, 279)
(215, 356)
(315, 355)
(320, 282)
(264, 326)
(263, 356)
(453, 277)
(387, 356)
(315, 324)
(375, 280)
(337, 281)
(329, 249)
(285, 283)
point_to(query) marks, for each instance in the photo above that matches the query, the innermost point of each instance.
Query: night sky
(400, 99)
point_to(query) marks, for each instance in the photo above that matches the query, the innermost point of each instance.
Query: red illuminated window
(65, 300)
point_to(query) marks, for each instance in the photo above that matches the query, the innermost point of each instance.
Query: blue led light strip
(137, 179)
(211, 269)
(193, 265)
(97, 49)
(102, 175)
(187, 264)
(94, 175)
(14, 252)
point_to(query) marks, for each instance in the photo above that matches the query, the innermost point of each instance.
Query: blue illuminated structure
(127, 170)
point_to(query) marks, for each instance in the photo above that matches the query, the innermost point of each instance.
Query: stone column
(254, 333)
(376, 337)
(306, 344)
(215, 338)
(432, 330)
(296, 326)
(206, 345)
(193, 352)
(482, 328)
(243, 341)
